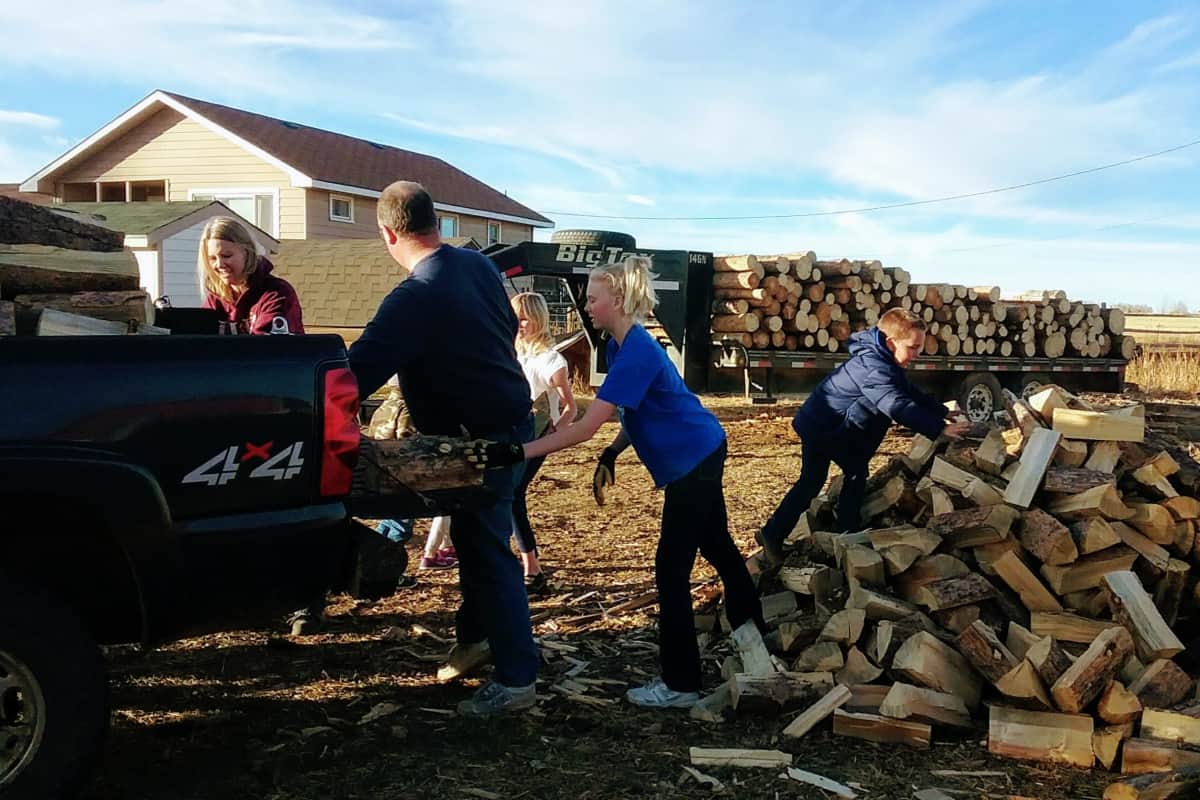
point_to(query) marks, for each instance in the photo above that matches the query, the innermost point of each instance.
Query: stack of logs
(1030, 575)
(62, 276)
(795, 302)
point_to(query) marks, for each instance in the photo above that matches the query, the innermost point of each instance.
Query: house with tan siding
(292, 180)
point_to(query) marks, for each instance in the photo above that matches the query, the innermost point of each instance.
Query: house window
(255, 206)
(448, 226)
(493, 233)
(341, 209)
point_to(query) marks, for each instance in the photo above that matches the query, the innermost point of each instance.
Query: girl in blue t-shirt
(682, 445)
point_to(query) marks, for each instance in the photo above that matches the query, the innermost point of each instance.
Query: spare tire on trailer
(979, 396)
(594, 239)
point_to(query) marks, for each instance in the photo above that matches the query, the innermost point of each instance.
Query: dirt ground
(253, 714)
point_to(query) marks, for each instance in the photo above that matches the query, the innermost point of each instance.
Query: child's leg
(814, 469)
(718, 549)
(439, 536)
(522, 529)
(686, 510)
(854, 482)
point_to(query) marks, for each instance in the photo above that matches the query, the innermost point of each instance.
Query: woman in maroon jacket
(238, 282)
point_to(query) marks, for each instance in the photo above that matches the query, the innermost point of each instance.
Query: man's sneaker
(536, 584)
(438, 561)
(657, 694)
(465, 659)
(772, 549)
(496, 698)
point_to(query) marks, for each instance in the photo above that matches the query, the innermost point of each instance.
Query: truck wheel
(979, 396)
(595, 239)
(53, 696)
(1032, 383)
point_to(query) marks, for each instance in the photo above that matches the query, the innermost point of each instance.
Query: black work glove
(605, 474)
(494, 455)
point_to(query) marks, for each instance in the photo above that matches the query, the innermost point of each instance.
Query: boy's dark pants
(816, 455)
(694, 519)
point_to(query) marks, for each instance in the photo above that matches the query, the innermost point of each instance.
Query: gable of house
(293, 180)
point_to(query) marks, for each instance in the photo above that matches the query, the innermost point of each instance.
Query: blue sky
(706, 109)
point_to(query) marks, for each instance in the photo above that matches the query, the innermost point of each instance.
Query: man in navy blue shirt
(448, 331)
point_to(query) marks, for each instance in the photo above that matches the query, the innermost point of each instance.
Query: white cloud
(223, 45)
(509, 137)
(640, 200)
(1152, 35)
(1185, 62)
(28, 119)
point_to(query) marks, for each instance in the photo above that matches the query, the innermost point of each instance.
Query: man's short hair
(407, 208)
(899, 323)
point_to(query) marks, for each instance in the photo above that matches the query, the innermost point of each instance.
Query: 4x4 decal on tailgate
(224, 466)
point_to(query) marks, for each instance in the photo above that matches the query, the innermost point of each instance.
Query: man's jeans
(815, 458)
(495, 606)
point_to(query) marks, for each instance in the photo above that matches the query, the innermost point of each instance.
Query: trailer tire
(979, 396)
(54, 708)
(594, 239)
(1032, 383)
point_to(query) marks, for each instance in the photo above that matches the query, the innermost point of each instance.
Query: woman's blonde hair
(225, 229)
(630, 280)
(537, 338)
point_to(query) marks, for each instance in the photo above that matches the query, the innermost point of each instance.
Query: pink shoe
(449, 552)
(438, 561)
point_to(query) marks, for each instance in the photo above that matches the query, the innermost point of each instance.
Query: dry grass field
(1167, 372)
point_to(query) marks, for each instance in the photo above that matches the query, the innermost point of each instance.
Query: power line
(885, 207)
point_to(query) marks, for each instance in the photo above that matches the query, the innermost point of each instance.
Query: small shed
(165, 240)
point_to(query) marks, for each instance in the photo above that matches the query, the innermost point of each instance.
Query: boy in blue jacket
(846, 417)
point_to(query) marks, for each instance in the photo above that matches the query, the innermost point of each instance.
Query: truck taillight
(339, 446)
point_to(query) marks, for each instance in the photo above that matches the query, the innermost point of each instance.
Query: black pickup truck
(152, 487)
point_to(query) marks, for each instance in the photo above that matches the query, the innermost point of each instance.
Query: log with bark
(33, 269)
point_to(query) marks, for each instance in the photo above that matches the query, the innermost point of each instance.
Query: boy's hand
(956, 430)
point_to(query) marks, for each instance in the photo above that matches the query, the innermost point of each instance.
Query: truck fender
(126, 498)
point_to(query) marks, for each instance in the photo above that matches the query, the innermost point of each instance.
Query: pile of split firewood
(795, 302)
(60, 276)
(1030, 576)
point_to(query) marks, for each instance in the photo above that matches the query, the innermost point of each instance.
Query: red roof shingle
(337, 158)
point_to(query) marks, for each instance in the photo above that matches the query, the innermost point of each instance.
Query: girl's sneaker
(438, 561)
(657, 694)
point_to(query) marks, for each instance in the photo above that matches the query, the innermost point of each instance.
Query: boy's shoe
(465, 659)
(772, 549)
(536, 584)
(448, 551)
(657, 694)
(496, 698)
(438, 561)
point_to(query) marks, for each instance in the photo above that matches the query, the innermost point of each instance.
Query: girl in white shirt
(554, 408)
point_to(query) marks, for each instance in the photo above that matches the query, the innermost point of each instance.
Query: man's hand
(494, 455)
(605, 474)
(956, 430)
